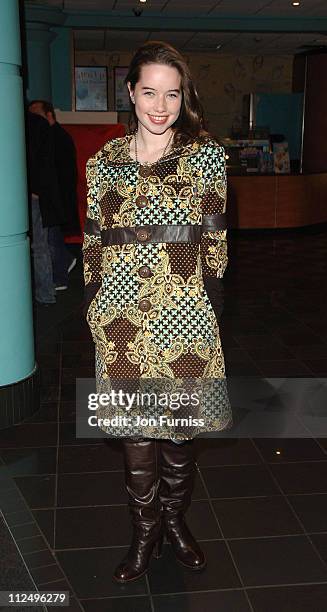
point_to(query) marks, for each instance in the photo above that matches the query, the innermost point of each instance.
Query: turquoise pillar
(38, 39)
(61, 57)
(17, 361)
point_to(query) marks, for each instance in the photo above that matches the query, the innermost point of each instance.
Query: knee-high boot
(178, 468)
(142, 482)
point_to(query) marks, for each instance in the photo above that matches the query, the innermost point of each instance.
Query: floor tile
(311, 510)
(226, 601)
(69, 375)
(94, 489)
(305, 477)
(317, 366)
(47, 413)
(202, 522)
(47, 574)
(226, 452)
(13, 570)
(67, 435)
(28, 530)
(256, 517)
(68, 391)
(67, 411)
(45, 522)
(169, 576)
(83, 359)
(274, 351)
(299, 598)
(238, 481)
(38, 491)
(15, 519)
(254, 341)
(30, 434)
(39, 559)
(320, 541)
(90, 573)
(135, 603)
(280, 560)
(283, 367)
(91, 457)
(26, 461)
(93, 527)
(33, 545)
(277, 450)
(49, 376)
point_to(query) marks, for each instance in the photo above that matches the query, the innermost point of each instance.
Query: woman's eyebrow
(152, 89)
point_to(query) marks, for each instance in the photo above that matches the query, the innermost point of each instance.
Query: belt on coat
(156, 233)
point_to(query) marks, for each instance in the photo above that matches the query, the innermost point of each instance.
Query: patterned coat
(152, 234)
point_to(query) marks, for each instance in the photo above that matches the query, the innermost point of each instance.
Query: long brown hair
(190, 124)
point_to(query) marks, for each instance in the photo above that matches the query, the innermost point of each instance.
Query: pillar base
(20, 400)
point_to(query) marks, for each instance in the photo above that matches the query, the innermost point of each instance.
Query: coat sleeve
(213, 247)
(92, 246)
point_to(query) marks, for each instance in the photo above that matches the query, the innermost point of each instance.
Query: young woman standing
(155, 251)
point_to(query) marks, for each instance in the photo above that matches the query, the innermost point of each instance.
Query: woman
(154, 248)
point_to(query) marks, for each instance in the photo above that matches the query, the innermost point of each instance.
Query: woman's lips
(158, 120)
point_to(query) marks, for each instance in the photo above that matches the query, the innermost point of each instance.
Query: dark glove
(90, 291)
(215, 290)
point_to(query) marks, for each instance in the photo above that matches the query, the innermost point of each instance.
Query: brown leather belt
(146, 234)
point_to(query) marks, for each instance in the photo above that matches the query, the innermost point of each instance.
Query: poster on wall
(91, 88)
(281, 158)
(122, 102)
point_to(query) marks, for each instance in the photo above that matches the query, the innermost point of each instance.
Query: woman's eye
(172, 95)
(148, 93)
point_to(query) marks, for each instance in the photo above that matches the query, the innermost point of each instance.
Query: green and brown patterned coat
(152, 234)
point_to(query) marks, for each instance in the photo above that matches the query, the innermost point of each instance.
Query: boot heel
(157, 550)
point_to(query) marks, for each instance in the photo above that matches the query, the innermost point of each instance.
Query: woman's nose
(160, 104)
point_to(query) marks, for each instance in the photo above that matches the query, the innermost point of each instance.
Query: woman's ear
(131, 93)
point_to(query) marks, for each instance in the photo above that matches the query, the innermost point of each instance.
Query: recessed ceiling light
(295, 3)
(143, 1)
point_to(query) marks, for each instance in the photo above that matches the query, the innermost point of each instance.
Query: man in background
(66, 168)
(45, 205)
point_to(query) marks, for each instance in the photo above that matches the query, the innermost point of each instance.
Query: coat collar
(117, 151)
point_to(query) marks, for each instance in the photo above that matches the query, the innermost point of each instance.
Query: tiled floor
(261, 517)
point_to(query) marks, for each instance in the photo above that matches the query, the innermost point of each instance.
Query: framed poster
(91, 88)
(122, 101)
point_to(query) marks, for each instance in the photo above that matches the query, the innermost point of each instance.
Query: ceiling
(265, 8)
(242, 43)
(224, 42)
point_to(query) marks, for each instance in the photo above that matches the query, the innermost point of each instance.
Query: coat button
(145, 171)
(142, 235)
(145, 305)
(141, 201)
(145, 272)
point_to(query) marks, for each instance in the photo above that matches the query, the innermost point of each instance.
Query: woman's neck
(150, 144)
(149, 148)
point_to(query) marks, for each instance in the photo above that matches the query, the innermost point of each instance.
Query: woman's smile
(158, 119)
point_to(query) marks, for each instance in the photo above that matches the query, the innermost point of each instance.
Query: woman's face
(157, 97)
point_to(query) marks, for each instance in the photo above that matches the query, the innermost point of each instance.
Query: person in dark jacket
(65, 162)
(45, 213)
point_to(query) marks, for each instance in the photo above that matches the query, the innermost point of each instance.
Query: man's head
(43, 108)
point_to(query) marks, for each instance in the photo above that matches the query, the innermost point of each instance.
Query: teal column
(61, 57)
(38, 39)
(17, 361)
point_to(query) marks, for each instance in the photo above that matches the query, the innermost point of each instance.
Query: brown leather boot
(142, 481)
(177, 469)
